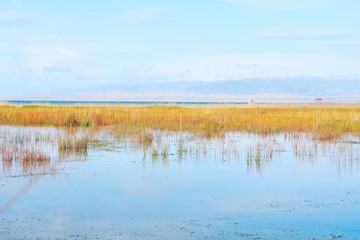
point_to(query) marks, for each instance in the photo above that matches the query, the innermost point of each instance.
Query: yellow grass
(324, 121)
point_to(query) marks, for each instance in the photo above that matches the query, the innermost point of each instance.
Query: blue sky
(79, 45)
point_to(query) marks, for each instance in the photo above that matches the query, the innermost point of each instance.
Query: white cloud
(274, 4)
(146, 15)
(319, 36)
(345, 43)
(286, 4)
(239, 66)
(36, 59)
(298, 35)
(11, 19)
(16, 18)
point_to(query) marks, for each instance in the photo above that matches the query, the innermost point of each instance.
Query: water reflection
(165, 182)
(258, 151)
(36, 150)
(7, 156)
(31, 161)
(34, 161)
(80, 153)
(343, 152)
(33, 149)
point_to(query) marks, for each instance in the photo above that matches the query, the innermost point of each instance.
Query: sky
(48, 46)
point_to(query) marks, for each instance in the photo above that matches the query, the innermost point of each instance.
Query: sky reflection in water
(233, 186)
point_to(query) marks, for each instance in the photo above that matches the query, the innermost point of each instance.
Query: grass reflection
(32, 149)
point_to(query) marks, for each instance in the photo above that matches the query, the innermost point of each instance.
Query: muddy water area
(177, 185)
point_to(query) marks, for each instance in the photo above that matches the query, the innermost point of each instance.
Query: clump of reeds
(34, 156)
(8, 152)
(154, 153)
(28, 158)
(327, 134)
(164, 152)
(72, 145)
(180, 148)
(164, 155)
(211, 129)
(145, 138)
(330, 129)
(254, 157)
(32, 159)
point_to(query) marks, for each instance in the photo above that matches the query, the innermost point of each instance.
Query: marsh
(232, 186)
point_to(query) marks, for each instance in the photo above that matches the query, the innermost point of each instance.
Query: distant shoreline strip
(60, 102)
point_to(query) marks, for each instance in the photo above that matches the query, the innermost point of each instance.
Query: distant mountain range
(298, 86)
(264, 89)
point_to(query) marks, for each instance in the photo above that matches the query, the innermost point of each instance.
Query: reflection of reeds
(32, 159)
(144, 138)
(73, 143)
(180, 148)
(8, 153)
(154, 154)
(166, 147)
(73, 146)
(29, 158)
(259, 155)
(164, 152)
(34, 156)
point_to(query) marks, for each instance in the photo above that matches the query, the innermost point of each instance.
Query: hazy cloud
(51, 59)
(17, 18)
(55, 69)
(274, 4)
(287, 4)
(298, 35)
(345, 43)
(237, 66)
(146, 15)
(316, 36)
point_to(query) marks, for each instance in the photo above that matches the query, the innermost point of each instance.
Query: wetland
(180, 172)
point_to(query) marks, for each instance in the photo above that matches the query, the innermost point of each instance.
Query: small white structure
(250, 101)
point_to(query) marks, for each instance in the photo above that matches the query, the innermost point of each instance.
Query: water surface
(236, 186)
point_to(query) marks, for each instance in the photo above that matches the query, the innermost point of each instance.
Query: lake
(178, 186)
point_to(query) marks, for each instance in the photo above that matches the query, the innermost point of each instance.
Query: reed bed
(29, 159)
(165, 147)
(32, 159)
(71, 145)
(324, 121)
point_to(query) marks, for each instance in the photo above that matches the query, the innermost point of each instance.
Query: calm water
(182, 186)
(61, 102)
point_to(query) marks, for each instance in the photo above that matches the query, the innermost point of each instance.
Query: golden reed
(324, 121)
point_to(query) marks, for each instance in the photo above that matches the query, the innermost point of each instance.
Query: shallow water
(236, 186)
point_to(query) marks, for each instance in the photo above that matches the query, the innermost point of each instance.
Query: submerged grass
(28, 158)
(323, 121)
(34, 159)
(73, 146)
